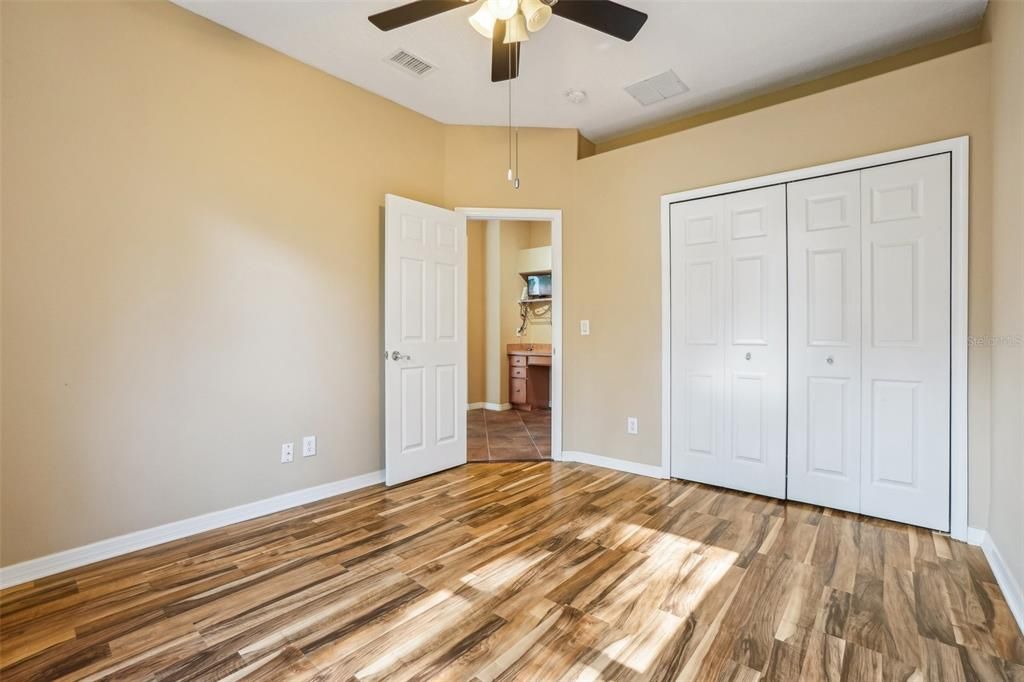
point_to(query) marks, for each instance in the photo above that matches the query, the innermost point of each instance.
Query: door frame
(959, 150)
(554, 217)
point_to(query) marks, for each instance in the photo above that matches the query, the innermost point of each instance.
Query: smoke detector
(576, 96)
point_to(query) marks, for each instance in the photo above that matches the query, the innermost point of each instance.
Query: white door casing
(424, 340)
(825, 341)
(905, 294)
(729, 341)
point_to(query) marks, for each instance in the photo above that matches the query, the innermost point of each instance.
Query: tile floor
(509, 435)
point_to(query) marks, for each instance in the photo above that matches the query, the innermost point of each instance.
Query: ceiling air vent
(657, 88)
(410, 63)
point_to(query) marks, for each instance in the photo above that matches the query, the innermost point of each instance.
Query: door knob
(748, 356)
(396, 356)
(830, 360)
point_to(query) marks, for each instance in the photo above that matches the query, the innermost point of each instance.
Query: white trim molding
(553, 216)
(1011, 589)
(149, 537)
(959, 150)
(494, 407)
(649, 470)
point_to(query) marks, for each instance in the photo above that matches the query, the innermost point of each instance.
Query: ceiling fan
(508, 23)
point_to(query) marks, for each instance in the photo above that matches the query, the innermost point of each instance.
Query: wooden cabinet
(529, 381)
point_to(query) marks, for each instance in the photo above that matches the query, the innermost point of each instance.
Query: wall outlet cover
(632, 425)
(287, 452)
(309, 446)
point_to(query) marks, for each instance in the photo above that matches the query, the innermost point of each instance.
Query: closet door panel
(697, 350)
(755, 348)
(728, 340)
(905, 239)
(824, 341)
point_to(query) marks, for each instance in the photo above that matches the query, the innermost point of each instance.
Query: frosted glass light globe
(503, 9)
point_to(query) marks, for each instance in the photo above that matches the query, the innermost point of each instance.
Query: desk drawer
(519, 372)
(517, 360)
(540, 360)
(517, 391)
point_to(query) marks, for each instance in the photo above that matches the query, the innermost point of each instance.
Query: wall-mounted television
(538, 286)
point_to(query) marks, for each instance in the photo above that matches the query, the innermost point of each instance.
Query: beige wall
(191, 268)
(476, 310)
(1005, 29)
(540, 234)
(186, 253)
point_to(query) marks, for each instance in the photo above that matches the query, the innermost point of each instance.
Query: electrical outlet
(584, 327)
(287, 452)
(309, 446)
(632, 426)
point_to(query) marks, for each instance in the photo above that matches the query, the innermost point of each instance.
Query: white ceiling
(724, 50)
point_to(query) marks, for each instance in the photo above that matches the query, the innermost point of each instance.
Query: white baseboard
(494, 407)
(975, 536)
(34, 569)
(1007, 582)
(649, 470)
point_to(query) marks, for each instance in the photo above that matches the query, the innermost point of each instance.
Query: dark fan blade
(503, 57)
(414, 11)
(604, 15)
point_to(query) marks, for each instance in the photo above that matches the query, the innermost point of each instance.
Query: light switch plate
(287, 452)
(309, 446)
(584, 327)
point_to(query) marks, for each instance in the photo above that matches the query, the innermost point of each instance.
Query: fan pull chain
(513, 175)
(508, 56)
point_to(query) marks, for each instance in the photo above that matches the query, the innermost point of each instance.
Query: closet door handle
(830, 360)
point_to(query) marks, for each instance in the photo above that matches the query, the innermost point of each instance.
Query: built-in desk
(529, 375)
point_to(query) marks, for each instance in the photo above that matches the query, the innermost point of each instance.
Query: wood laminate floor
(526, 571)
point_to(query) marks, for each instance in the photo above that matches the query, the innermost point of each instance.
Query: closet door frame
(959, 150)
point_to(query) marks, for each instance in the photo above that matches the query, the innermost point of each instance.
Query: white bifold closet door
(905, 401)
(869, 361)
(825, 341)
(729, 340)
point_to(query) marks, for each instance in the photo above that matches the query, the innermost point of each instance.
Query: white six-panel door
(425, 348)
(729, 340)
(905, 402)
(825, 341)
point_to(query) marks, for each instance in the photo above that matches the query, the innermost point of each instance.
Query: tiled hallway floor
(509, 435)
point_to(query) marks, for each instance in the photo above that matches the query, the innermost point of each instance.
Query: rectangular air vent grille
(411, 63)
(657, 88)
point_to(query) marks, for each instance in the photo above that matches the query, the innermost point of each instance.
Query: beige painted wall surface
(1005, 26)
(476, 310)
(540, 234)
(191, 268)
(612, 243)
(476, 158)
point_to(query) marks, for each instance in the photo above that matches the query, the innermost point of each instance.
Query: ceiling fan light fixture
(515, 30)
(503, 9)
(483, 20)
(537, 14)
